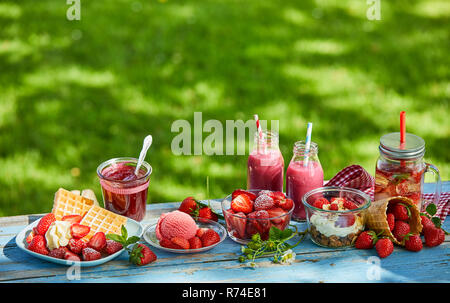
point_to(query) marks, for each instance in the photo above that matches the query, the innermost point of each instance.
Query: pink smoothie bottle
(304, 173)
(265, 166)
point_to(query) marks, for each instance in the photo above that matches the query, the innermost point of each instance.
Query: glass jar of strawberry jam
(400, 169)
(124, 192)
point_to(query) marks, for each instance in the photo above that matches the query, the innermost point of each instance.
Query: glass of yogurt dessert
(335, 215)
(124, 192)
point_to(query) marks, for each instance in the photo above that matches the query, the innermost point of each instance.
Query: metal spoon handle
(147, 142)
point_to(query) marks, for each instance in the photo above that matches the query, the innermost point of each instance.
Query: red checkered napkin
(355, 176)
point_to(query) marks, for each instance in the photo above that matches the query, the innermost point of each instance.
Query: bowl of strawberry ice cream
(178, 232)
(335, 215)
(249, 212)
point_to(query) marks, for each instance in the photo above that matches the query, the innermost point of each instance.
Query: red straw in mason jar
(402, 133)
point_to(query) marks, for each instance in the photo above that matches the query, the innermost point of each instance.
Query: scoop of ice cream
(58, 234)
(175, 224)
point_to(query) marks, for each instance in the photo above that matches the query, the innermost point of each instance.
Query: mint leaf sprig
(430, 211)
(277, 245)
(135, 251)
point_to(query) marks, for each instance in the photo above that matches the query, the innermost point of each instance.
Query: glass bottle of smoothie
(304, 173)
(400, 169)
(125, 193)
(265, 166)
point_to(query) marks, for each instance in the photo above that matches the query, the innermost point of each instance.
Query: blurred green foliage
(76, 93)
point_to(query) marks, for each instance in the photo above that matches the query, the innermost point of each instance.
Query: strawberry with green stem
(139, 254)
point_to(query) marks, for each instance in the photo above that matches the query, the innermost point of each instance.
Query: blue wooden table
(312, 264)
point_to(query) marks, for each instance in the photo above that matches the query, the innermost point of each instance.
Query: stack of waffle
(94, 216)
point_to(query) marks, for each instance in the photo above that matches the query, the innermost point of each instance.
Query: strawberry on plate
(58, 253)
(38, 245)
(207, 213)
(181, 242)
(45, 223)
(72, 218)
(71, 256)
(112, 247)
(98, 241)
(79, 231)
(90, 254)
(242, 203)
(195, 243)
(210, 237)
(189, 206)
(76, 245)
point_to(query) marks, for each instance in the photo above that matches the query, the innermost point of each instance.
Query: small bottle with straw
(304, 173)
(265, 165)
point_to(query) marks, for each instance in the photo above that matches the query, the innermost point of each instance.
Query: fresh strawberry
(278, 214)
(237, 222)
(90, 254)
(58, 253)
(45, 223)
(72, 218)
(401, 211)
(242, 203)
(181, 242)
(258, 222)
(79, 231)
(426, 223)
(434, 236)
(286, 204)
(189, 206)
(337, 200)
(384, 247)
(390, 220)
(71, 256)
(98, 241)
(277, 195)
(207, 213)
(29, 237)
(401, 228)
(366, 240)
(142, 255)
(334, 206)
(195, 243)
(238, 192)
(263, 202)
(210, 237)
(76, 245)
(201, 231)
(320, 202)
(112, 247)
(413, 242)
(168, 244)
(345, 220)
(38, 245)
(349, 205)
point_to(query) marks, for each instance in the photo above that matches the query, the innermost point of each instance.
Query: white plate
(150, 237)
(134, 228)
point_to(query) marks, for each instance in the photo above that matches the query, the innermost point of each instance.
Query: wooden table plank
(313, 263)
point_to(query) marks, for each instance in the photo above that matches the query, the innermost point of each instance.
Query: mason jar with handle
(400, 169)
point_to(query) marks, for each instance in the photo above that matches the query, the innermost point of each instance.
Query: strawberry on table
(44, 224)
(413, 242)
(207, 213)
(98, 241)
(242, 203)
(434, 236)
(426, 223)
(142, 255)
(366, 240)
(384, 247)
(38, 245)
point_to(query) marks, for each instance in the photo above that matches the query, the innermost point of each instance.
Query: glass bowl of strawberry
(335, 215)
(249, 212)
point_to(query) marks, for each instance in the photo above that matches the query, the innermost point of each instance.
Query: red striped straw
(258, 127)
(402, 133)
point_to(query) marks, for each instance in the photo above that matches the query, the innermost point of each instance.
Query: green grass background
(76, 93)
